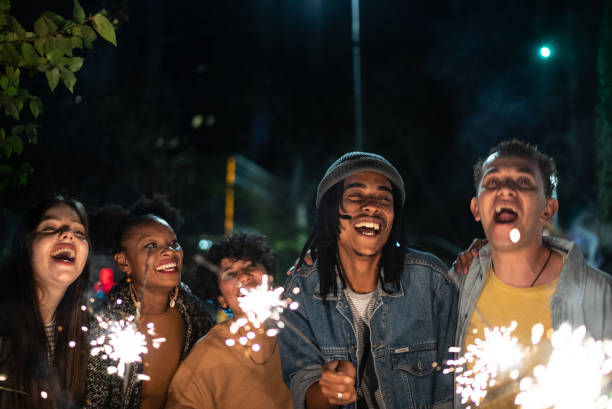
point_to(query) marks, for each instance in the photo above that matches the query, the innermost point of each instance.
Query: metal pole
(230, 180)
(357, 76)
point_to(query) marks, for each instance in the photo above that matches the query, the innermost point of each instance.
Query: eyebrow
(520, 169)
(55, 218)
(361, 185)
(249, 265)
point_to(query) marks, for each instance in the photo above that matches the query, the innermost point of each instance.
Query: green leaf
(29, 53)
(16, 142)
(89, 36)
(53, 20)
(76, 42)
(54, 51)
(11, 91)
(53, 78)
(75, 63)
(41, 27)
(17, 129)
(4, 82)
(104, 28)
(68, 79)
(35, 107)
(16, 27)
(32, 133)
(65, 45)
(5, 5)
(40, 44)
(10, 107)
(8, 147)
(78, 13)
(9, 54)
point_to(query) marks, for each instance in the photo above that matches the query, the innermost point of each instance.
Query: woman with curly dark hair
(147, 250)
(43, 348)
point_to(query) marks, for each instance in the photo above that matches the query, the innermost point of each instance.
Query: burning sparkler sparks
(575, 376)
(122, 342)
(515, 235)
(262, 304)
(498, 351)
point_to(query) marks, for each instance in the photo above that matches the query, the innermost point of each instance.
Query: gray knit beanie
(354, 162)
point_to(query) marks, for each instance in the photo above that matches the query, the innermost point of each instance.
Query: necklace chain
(266, 360)
(543, 267)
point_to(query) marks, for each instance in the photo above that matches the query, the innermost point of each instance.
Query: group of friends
(373, 324)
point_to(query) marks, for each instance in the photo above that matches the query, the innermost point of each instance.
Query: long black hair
(21, 326)
(323, 242)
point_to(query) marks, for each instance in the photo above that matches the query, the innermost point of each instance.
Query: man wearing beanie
(383, 316)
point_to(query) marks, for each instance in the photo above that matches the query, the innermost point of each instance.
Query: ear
(550, 209)
(122, 263)
(221, 301)
(475, 209)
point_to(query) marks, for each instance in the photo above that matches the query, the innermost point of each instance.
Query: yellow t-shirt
(500, 304)
(160, 363)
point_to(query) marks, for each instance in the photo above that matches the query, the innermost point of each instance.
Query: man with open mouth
(383, 316)
(522, 275)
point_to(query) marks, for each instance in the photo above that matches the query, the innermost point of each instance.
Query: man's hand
(464, 259)
(336, 386)
(338, 382)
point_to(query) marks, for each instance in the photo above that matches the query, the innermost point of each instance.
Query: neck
(361, 272)
(48, 300)
(153, 301)
(519, 267)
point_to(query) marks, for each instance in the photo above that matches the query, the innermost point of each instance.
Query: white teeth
(368, 225)
(63, 250)
(498, 209)
(169, 266)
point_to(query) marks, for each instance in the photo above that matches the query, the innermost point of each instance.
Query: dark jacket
(107, 391)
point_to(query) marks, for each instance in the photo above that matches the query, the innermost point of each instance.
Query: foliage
(52, 49)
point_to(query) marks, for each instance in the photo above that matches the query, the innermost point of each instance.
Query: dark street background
(192, 83)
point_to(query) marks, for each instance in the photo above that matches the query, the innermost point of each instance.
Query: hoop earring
(174, 297)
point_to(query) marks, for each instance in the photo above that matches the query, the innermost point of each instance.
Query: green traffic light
(545, 52)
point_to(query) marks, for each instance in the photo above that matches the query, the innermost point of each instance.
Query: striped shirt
(362, 306)
(51, 333)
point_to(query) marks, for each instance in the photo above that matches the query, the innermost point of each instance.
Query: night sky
(442, 82)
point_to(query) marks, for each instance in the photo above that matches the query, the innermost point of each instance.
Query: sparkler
(498, 351)
(121, 342)
(576, 375)
(264, 305)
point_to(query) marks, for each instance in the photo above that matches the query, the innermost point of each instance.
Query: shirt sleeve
(301, 364)
(447, 304)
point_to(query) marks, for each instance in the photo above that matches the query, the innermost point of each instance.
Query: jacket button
(299, 364)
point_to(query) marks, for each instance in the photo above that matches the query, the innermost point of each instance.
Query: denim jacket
(583, 295)
(411, 329)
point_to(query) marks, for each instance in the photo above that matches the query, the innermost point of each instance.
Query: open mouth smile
(64, 254)
(505, 214)
(369, 229)
(167, 267)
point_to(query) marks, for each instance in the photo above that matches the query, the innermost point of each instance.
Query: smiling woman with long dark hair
(147, 250)
(43, 349)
